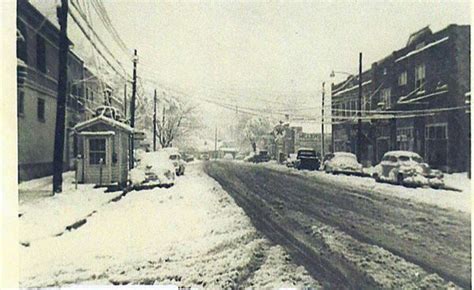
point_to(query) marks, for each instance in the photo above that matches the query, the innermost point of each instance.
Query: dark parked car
(307, 159)
(262, 156)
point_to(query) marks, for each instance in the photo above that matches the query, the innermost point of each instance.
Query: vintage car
(306, 158)
(342, 162)
(175, 157)
(154, 169)
(407, 168)
(262, 156)
(205, 156)
(290, 161)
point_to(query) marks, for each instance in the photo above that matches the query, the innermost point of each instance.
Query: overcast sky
(266, 50)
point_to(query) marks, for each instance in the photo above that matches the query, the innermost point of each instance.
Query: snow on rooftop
(429, 45)
(351, 88)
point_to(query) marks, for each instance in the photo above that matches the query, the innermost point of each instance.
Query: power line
(104, 17)
(84, 17)
(93, 44)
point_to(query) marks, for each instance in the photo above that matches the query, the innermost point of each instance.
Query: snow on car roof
(306, 149)
(341, 154)
(399, 153)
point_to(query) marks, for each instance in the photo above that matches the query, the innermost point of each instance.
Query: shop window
(40, 53)
(97, 150)
(41, 110)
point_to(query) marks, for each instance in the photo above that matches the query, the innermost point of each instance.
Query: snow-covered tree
(255, 128)
(176, 121)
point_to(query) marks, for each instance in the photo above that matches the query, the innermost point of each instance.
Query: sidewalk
(42, 215)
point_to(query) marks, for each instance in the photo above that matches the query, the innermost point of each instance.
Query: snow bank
(192, 234)
(442, 198)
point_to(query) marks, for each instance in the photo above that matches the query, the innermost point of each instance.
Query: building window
(384, 71)
(354, 108)
(420, 45)
(97, 150)
(21, 103)
(21, 41)
(405, 139)
(40, 53)
(420, 76)
(387, 97)
(402, 79)
(439, 131)
(41, 110)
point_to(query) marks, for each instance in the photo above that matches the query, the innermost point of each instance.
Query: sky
(264, 54)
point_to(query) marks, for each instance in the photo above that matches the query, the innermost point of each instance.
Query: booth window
(96, 150)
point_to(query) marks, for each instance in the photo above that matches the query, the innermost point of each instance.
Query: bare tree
(177, 120)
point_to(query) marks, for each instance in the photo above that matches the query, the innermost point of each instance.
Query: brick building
(413, 101)
(291, 137)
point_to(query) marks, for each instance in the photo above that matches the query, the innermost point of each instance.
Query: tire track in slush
(252, 188)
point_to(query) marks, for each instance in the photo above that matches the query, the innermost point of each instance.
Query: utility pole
(322, 125)
(215, 145)
(62, 13)
(154, 122)
(132, 106)
(125, 101)
(359, 113)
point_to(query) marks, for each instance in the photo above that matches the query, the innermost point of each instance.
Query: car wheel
(376, 177)
(400, 179)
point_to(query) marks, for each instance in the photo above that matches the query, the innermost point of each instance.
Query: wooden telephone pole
(322, 125)
(154, 122)
(359, 114)
(132, 106)
(58, 157)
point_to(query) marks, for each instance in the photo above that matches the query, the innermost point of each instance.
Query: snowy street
(192, 234)
(350, 232)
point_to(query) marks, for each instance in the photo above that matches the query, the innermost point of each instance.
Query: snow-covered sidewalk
(192, 234)
(46, 216)
(457, 200)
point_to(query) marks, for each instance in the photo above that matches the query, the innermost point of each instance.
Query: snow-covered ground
(458, 200)
(44, 215)
(192, 234)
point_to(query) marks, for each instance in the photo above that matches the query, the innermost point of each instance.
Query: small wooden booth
(103, 146)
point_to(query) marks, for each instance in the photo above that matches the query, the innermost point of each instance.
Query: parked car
(407, 168)
(175, 157)
(342, 162)
(189, 158)
(228, 156)
(306, 158)
(262, 156)
(154, 169)
(291, 160)
(205, 156)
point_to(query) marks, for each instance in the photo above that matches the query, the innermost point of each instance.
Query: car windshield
(307, 153)
(417, 159)
(174, 157)
(404, 158)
